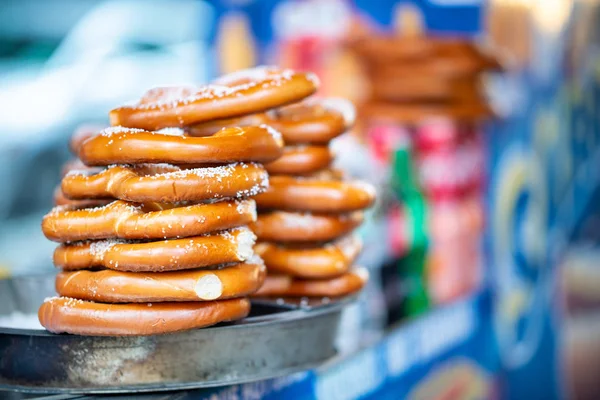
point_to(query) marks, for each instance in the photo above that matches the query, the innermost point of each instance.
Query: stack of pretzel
(307, 216)
(415, 77)
(154, 230)
(308, 213)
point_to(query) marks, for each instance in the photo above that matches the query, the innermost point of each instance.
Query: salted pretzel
(313, 121)
(393, 48)
(438, 67)
(284, 226)
(425, 88)
(315, 195)
(343, 285)
(126, 220)
(82, 133)
(301, 160)
(209, 128)
(67, 315)
(322, 261)
(166, 255)
(77, 165)
(310, 122)
(110, 286)
(415, 113)
(118, 145)
(416, 49)
(61, 200)
(166, 183)
(246, 92)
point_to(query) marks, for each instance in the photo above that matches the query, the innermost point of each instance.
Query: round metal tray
(278, 338)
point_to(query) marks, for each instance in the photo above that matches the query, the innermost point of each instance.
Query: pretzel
(420, 49)
(395, 48)
(67, 315)
(61, 200)
(82, 133)
(309, 122)
(425, 88)
(209, 128)
(134, 287)
(301, 160)
(165, 255)
(248, 92)
(438, 67)
(126, 220)
(118, 145)
(77, 165)
(343, 285)
(315, 122)
(416, 113)
(326, 261)
(167, 183)
(310, 194)
(283, 226)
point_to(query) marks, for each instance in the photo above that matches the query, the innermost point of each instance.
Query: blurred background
(478, 122)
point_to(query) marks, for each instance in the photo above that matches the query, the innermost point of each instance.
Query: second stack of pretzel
(308, 214)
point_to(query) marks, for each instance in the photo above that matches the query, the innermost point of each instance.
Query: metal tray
(278, 338)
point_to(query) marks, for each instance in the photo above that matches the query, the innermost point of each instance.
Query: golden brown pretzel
(118, 145)
(110, 286)
(301, 160)
(310, 122)
(314, 121)
(82, 133)
(416, 113)
(283, 226)
(61, 200)
(165, 183)
(126, 220)
(165, 255)
(209, 128)
(437, 67)
(77, 165)
(425, 88)
(320, 261)
(247, 92)
(348, 283)
(67, 315)
(315, 195)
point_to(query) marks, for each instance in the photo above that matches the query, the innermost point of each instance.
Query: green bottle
(412, 266)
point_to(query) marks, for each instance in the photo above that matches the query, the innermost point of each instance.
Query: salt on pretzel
(126, 220)
(167, 183)
(310, 122)
(315, 195)
(118, 145)
(343, 285)
(301, 160)
(166, 255)
(284, 226)
(247, 92)
(330, 260)
(67, 315)
(110, 286)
